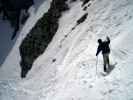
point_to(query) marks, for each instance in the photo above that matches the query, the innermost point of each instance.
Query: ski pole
(96, 64)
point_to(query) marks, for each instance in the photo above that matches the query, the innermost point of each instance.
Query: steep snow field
(73, 75)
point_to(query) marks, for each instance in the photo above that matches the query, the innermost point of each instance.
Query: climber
(104, 47)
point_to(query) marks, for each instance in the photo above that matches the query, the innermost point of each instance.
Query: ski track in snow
(73, 75)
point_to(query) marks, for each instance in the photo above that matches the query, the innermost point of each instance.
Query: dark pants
(106, 61)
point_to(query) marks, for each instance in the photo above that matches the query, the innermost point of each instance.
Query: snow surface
(73, 75)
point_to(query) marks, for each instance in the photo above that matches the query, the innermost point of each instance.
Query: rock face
(40, 36)
(82, 19)
(11, 10)
(85, 2)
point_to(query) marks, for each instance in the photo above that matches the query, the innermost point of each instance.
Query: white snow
(73, 75)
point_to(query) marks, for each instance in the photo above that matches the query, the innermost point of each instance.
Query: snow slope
(73, 75)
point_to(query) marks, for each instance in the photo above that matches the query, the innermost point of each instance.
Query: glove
(107, 38)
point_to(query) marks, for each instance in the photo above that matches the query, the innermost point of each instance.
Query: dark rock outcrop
(82, 19)
(85, 2)
(11, 10)
(40, 36)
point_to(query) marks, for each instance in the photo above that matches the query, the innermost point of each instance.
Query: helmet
(99, 41)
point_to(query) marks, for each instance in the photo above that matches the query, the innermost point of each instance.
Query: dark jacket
(104, 47)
